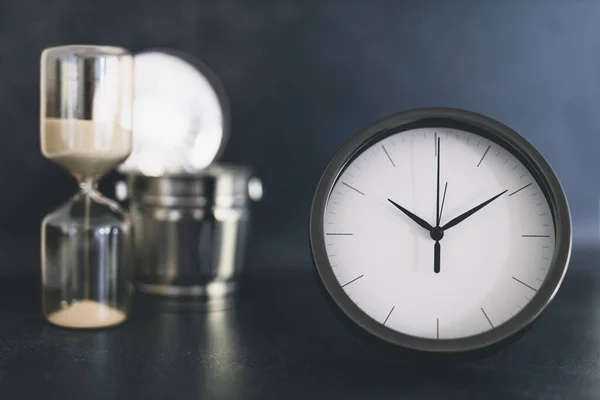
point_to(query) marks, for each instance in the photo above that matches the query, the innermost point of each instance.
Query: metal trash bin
(190, 230)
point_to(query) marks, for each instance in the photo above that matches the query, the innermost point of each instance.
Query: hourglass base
(86, 263)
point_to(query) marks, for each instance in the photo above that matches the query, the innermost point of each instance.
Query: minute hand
(472, 211)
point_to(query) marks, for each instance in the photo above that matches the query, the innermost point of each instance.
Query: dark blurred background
(303, 76)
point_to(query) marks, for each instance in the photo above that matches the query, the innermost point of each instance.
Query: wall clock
(440, 230)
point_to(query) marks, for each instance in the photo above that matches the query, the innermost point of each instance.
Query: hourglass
(85, 127)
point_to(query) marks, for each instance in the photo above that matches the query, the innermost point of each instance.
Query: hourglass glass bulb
(86, 102)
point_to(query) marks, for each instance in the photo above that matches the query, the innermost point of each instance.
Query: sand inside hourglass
(88, 150)
(87, 314)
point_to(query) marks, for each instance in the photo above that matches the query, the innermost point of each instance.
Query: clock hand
(412, 216)
(443, 201)
(472, 211)
(436, 257)
(438, 215)
(437, 196)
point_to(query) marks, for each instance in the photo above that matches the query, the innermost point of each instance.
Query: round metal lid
(228, 185)
(180, 115)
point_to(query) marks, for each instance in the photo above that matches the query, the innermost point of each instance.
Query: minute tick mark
(524, 284)
(353, 188)
(353, 280)
(388, 155)
(486, 151)
(486, 317)
(388, 316)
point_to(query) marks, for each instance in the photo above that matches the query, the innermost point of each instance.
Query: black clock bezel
(477, 124)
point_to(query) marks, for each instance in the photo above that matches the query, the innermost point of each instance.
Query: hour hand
(412, 216)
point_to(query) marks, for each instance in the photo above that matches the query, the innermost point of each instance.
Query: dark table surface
(281, 340)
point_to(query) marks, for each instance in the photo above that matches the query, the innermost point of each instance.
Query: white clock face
(490, 264)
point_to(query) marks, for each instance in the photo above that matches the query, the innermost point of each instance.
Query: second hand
(443, 200)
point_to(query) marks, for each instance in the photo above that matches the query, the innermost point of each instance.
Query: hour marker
(486, 317)
(497, 153)
(388, 316)
(523, 283)
(486, 151)
(438, 328)
(435, 144)
(339, 234)
(355, 189)
(535, 194)
(353, 280)
(515, 167)
(388, 155)
(518, 190)
(546, 258)
(523, 175)
(535, 235)
(539, 204)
